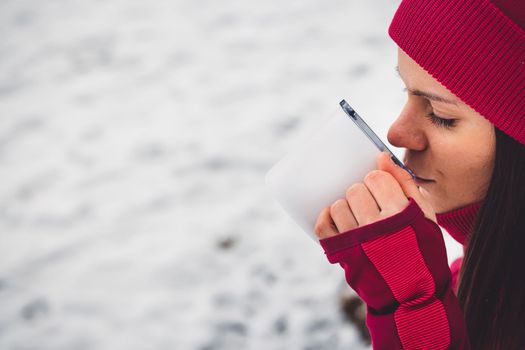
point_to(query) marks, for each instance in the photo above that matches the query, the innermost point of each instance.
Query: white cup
(320, 168)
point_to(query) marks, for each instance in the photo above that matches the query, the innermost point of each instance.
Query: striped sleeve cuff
(398, 266)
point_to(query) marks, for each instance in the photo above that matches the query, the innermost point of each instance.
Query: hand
(383, 193)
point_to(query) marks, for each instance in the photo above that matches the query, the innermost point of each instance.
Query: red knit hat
(475, 48)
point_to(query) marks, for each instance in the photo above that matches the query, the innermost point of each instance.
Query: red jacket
(398, 266)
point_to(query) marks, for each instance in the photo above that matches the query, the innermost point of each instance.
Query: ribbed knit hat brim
(474, 49)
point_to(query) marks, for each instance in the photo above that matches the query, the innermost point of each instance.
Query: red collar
(459, 222)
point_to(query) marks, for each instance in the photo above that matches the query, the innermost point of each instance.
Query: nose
(407, 131)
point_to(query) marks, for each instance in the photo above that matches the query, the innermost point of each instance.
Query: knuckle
(320, 224)
(375, 176)
(355, 189)
(318, 229)
(337, 205)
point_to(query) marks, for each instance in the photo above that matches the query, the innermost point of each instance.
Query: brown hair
(492, 276)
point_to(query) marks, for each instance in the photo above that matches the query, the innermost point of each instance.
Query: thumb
(407, 183)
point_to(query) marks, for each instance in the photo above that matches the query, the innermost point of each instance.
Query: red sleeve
(398, 266)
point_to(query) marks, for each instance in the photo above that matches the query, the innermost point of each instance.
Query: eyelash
(445, 123)
(441, 122)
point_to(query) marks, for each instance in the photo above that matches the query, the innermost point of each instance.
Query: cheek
(484, 168)
(469, 173)
(483, 160)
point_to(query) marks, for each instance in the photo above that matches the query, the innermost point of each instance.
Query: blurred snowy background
(134, 140)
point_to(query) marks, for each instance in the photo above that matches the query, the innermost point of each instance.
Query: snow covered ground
(134, 140)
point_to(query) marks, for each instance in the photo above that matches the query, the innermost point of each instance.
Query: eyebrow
(427, 95)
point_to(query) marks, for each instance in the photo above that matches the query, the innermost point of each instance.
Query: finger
(407, 183)
(386, 191)
(342, 216)
(362, 204)
(324, 226)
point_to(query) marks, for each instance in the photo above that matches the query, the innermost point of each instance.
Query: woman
(463, 127)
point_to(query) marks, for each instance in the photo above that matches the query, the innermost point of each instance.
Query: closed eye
(442, 122)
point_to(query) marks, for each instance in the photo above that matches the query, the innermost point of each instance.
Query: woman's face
(446, 141)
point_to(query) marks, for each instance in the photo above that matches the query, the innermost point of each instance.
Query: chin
(430, 199)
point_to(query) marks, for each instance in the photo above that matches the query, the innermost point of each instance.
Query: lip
(419, 179)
